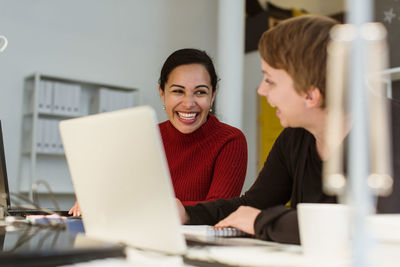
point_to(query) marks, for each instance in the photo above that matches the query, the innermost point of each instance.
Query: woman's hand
(243, 219)
(182, 212)
(75, 210)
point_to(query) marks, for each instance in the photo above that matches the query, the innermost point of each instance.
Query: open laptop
(121, 179)
(5, 201)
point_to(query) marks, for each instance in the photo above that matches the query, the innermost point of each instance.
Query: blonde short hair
(299, 46)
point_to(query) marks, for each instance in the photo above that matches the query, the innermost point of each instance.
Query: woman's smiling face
(188, 96)
(278, 87)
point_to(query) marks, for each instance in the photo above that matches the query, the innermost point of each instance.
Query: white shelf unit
(48, 99)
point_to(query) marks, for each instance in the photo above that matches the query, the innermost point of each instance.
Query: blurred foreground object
(3, 43)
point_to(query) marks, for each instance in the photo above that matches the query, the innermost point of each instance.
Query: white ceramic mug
(324, 231)
(3, 43)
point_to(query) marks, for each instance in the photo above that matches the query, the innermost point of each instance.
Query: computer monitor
(4, 192)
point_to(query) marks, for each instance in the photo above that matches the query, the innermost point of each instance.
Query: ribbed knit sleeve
(207, 164)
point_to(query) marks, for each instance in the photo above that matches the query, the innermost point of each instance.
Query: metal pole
(359, 197)
(229, 100)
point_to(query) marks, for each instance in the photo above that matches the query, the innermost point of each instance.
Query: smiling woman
(207, 158)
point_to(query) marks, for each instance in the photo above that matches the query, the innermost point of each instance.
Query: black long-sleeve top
(292, 172)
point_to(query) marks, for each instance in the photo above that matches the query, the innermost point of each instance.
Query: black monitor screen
(4, 199)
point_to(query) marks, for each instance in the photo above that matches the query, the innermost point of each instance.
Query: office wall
(120, 42)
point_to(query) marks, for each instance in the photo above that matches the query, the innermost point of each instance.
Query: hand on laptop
(75, 210)
(243, 219)
(182, 212)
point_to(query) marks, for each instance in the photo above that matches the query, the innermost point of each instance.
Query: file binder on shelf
(66, 99)
(45, 97)
(107, 100)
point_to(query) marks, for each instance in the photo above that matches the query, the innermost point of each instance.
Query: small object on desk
(208, 230)
(72, 224)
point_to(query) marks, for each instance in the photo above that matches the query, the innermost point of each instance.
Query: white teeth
(187, 116)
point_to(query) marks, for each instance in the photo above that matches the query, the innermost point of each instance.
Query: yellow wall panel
(269, 129)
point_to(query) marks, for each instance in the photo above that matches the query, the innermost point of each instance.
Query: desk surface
(32, 246)
(35, 246)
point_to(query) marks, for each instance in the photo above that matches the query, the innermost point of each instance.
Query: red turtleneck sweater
(207, 164)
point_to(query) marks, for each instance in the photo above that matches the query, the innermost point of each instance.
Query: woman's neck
(318, 130)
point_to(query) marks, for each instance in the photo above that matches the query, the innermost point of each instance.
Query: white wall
(252, 78)
(121, 42)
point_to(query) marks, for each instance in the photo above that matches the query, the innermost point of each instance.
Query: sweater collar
(207, 129)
